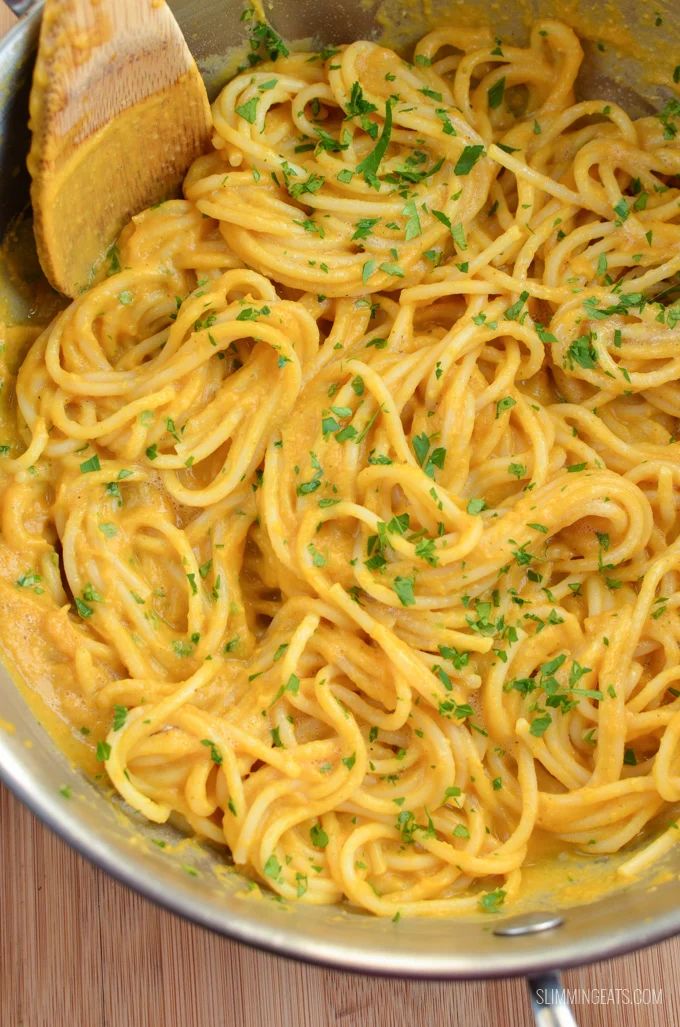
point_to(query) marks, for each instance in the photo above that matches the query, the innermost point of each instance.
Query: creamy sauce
(43, 650)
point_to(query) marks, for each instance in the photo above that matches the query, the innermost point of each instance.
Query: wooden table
(79, 950)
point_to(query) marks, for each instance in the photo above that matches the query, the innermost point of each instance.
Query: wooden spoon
(118, 113)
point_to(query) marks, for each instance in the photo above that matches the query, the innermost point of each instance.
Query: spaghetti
(353, 490)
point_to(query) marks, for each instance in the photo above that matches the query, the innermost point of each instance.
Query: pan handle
(549, 1002)
(21, 6)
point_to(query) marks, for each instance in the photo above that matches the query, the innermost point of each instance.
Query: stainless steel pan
(119, 841)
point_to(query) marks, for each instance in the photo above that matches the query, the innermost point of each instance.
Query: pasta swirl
(362, 472)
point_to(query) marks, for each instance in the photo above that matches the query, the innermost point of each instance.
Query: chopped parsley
(215, 754)
(364, 227)
(83, 608)
(329, 143)
(31, 580)
(582, 352)
(412, 228)
(496, 93)
(90, 465)
(622, 210)
(539, 725)
(513, 312)
(447, 126)
(370, 164)
(103, 751)
(312, 184)
(318, 836)
(404, 589)
(119, 717)
(504, 404)
(429, 459)
(468, 159)
(491, 901)
(668, 114)
(358, 105)
(263, 37)
(272, 868)
(305, 487)
(252, 314)
(432, 94)
(248, 110)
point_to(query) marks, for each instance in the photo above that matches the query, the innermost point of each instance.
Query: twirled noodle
(362, 471)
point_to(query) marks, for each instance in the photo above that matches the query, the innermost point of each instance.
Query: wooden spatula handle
(118, 112)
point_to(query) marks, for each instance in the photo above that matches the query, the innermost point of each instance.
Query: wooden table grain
(78, 949)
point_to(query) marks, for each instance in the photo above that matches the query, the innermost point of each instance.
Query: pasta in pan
(351, 493)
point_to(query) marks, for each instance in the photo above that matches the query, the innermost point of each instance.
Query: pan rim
(549, 954)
